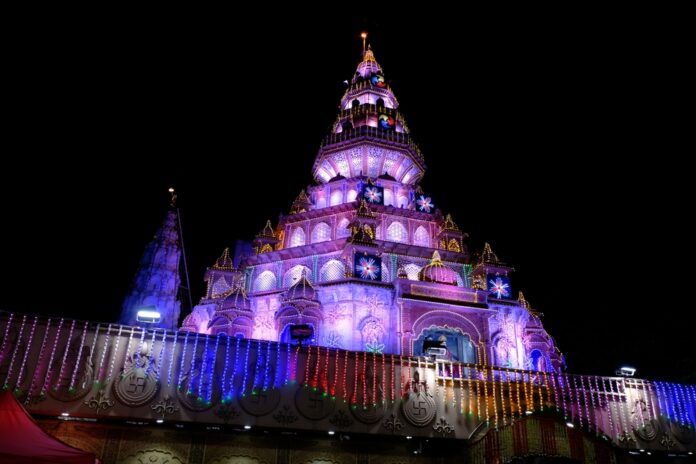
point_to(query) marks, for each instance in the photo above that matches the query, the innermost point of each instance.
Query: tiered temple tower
(368, 261)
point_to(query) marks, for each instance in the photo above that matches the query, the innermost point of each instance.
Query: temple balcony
(114, 373)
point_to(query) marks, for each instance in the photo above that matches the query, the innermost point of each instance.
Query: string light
(103, 355)
(231, 393)
(374, 379)
(151, 361)
(485, 393)
(65, 356)
(180, 379)
(27, 350)
(39, 362)
(364, 377)
(294, 368)
(392, 395)
(554, 387)
(49, 370)
(112, 362)
(470, 391)
(266, 372)
(71, 387)
(598, 406)
(127, 353)
(14, 352)
(160, 358)
(354, 396)
(276, 373)
(384, 382)
(246, 369)
(461, 389)
(345, 377)
(577, 399)
(139, 350)
(477, 384)
(517, 394)
(622, 418)
(223, 379)
(194, 353)
(325, 374)
(93, 349)
(639, 405)
(337, 372)
(257, 369)
(288, 365)
(211, 378)
(588, 390)
(5, 337)
(307, 360)
(495, 400)
(609, 401)
(548, 390)
(170, 370)
(502, 398)
(509, 386)
(204, 365)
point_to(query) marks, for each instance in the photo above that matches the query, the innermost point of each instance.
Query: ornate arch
(449, 319)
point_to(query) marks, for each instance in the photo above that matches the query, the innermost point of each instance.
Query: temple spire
(156, 283)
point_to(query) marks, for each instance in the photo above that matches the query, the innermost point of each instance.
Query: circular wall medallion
(191, 398)
(419, 409)
(368, 414)
(135, 387)
(648, 432)
(260, 404)
(83, 378)
(313, 404)
(683, 433)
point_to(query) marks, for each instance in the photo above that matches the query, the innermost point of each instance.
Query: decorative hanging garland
(112, 363)
(180, 380)
(39, 363)
(27, 350)
(71, 387)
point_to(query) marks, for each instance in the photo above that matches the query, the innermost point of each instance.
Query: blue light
(223, 379)
(183, 357)
(246, 370)
(193, 365)
(204, 361)
(211, 385)
(268, 366)
(287, 365)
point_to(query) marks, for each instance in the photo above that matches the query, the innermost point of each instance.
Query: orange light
(364, 35)
(171, 190)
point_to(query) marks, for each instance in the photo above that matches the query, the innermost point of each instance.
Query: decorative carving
(190, 399)
(648, 432)
(341, 420)
(667, 442)
(393, 424)
(419, 408)
(442, 427)
(262, 403)
(100, 402)
(164, 407)
(152, 456)
(313, 404)
(285, 416)
(226, 412)
(368, 414)
(135, 388)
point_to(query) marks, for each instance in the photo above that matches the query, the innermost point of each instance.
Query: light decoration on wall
(374, 379)
(610, 415)
(517, 394)
(345, 377)
(151, 363)
(325, 374)
(93, 349)
(257, 369)
(112, 362)
(334, 383)
(211, 384)
(160, 358)
(242, 391)
(27, 350)
(277, 375)
(577, 399)
(14, 352)
(194, 353)
(386, 122)
(49, 368)
(425, 204)
(368, 267)
(225, 370)
(510, 395)
(127, 352)
(393, 375)
(307, 361)
(65, 356)
(139, 350)
(180, 379)
(354, 395)
(288, 364)
(5, 337)
(373, 194)
(378, 80)
(499, 287)
(230, 390)
(364, 379)
(39, 362)
(71, 387)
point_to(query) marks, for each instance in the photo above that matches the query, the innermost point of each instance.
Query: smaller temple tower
(156, 283)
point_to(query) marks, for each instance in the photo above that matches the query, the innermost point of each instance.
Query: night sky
(548, 142)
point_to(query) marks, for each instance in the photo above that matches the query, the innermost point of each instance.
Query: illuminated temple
(358, 329)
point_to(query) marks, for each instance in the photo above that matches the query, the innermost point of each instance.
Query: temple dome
(301, 290)
(238, 299)
(436, 271)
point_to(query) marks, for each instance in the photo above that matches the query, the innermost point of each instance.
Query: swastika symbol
(135, 384)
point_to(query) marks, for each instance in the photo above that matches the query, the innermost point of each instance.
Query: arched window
(412, 271)
(459, 347)
(421, 237)
(297, 238)
(265, 281)
(355, 103)
(386, 277)
(403, 202)
(388, 197)
(336, 197)
(332, 270)
(396, 232)
(321, 233)
(352, 195)
(295, 273)
(380, 102)
(536, 359)
(342, 228)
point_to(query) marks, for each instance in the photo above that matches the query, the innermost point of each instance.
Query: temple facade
(367, 260)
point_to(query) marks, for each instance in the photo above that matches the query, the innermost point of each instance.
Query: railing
(376, 132)
(108, 370)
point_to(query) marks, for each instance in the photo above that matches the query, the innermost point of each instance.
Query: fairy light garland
(598, 406)
(288, 364)
(337, 372)
(71, 387)
(477, 384)
(39, 362)
(194, 353)
(510, 395)
(27, 350)
(577, 400)
(237, 348)
(610, 414)
(639, 387)
(502, 398)
(354, 396)
(325, 374)
(437, 382)
(112, 362)
(125, 355)
(267, 371)
(65, 356)
(646, 394)
(409, 377)
(246, 369)
(621, 409)
(49, 370)
(485, 393)
(160, 358)
(470, 396)
(545, 378)
(5, 337)
(384, 381)
(107, 337)
(211, 378)
(461, 389)
(170, 370)
(374, 379)
(364, 377)
(14, 353)
(392, 391)
(345, 377)
(495, 400)
(294, 368)
(93, 348)
(139, 350)
(204, 365)
(307, 359)
(223, 379)
(257, 369)
(277, 374)
(151, 361)
(589, 391)
(180, 378)
(517, 394)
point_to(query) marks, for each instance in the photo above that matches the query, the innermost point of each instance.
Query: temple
(359, 329)
(367, 260)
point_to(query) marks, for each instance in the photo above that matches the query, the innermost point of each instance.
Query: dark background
(551, 140)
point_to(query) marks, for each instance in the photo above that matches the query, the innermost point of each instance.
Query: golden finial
(364, 37)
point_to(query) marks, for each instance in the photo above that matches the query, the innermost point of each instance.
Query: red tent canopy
(22, 441)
